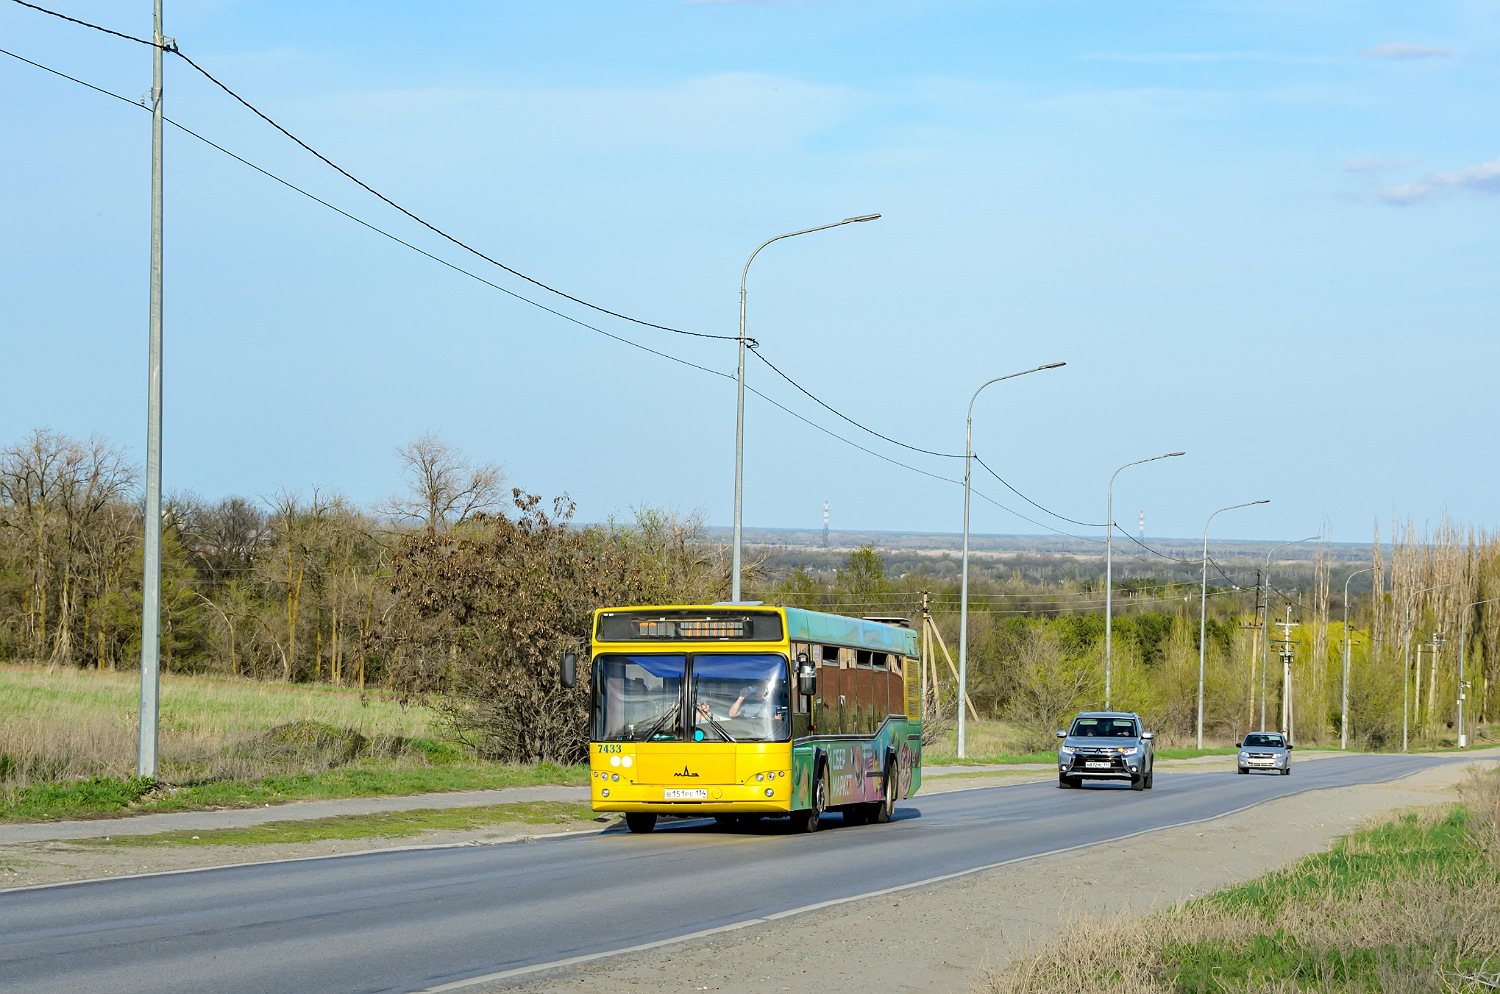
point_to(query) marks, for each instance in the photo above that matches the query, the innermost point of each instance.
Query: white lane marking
(522, 971)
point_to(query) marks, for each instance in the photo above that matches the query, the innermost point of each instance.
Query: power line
(754, 349)
(172, 48)
(1061, 517)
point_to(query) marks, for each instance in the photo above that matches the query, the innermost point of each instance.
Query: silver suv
(1266, 751)
(1106, 745)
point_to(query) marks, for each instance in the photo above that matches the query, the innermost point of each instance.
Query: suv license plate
(1096, 766)
(680, 794)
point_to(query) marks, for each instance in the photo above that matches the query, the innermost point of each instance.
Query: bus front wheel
(640, 822)
(809, 820)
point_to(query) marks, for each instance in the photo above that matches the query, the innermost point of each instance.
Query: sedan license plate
(1096, 766)
(684, 794)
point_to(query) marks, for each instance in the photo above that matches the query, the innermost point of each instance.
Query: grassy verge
(386, 825)
(1408, 905)
(104, 796)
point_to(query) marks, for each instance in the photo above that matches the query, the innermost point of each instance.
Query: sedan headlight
(1244, 757)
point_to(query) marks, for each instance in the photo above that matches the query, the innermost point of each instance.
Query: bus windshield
(738, 697)
(638, 697)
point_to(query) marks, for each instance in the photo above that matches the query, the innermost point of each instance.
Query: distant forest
(462, 592)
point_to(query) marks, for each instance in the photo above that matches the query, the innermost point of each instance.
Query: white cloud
(1405, 50)
(1483, 179)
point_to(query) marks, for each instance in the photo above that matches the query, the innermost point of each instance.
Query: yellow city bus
(742, 711)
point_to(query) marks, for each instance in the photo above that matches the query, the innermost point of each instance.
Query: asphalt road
(424, 919)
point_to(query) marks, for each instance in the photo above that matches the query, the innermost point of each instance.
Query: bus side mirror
(807, 677)
(569, 672)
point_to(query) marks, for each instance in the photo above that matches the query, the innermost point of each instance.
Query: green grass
(1381, 862)
(386, 825)
(104, 796)
(1409, 905)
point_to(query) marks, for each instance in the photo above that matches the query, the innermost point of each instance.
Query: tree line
(463, 592)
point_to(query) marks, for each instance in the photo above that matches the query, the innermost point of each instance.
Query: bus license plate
(683, 794)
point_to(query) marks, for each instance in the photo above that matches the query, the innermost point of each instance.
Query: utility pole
(825, 526)
(1254, 650)
(1286, 672)
(1439, 639)
(151, 578)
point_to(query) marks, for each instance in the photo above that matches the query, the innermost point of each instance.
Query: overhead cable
(175, 50)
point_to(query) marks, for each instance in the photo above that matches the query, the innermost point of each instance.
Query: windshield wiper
(656, 725)
(713, 723)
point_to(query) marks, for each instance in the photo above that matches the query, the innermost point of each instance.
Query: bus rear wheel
(883, 810)
(640, 822)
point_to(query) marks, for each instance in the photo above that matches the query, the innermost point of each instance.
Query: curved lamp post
(963, 602)
(1109, 584)
(1265, 649)
(1203, 608)
(1463, 631)
(739, 419)
(1344, 712)
(1406, 660)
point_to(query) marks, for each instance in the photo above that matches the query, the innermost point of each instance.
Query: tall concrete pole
(739, 415)
(963, 596)
(1344, 710)
(1406, 662)
(151, 581)
(1203, 609)
(1109, 549)
(1265, 655)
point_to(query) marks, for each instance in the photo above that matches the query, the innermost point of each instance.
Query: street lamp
(1406, 660)
(739, 421)
(1109, 585)
(1203, 609)
(963, 601)
(1265, 651)
(1463, 631)
(1344, 713)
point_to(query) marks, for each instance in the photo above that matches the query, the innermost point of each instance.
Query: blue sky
(1261, 232)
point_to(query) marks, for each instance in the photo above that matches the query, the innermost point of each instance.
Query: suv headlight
(1129, 750)
(1065, 750)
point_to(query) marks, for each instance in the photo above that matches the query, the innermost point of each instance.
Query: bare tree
(443, 489)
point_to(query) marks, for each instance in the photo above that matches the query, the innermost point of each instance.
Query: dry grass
(1410, 904)
(63, 724)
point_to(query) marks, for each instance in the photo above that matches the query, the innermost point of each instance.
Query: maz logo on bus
(606, 747)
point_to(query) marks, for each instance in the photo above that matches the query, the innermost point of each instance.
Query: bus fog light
(615, 778)
(604, 792)
(770, 791)
(760, 778)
